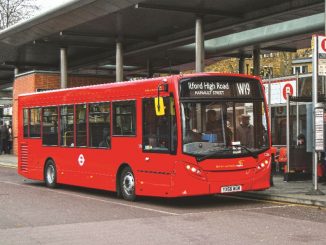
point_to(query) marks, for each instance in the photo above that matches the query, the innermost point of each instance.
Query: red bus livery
(181, 135)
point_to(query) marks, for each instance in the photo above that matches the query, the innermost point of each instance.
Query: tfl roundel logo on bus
(81, 159)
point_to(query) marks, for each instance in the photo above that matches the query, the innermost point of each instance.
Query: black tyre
(50, 174)
(127, 184)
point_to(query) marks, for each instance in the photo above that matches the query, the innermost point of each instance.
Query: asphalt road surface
(30, 213)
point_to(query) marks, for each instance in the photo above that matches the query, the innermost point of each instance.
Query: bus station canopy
(154, 33)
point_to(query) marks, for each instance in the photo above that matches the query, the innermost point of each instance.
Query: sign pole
(297, 104)
(316, 116)
(270, 102)
(288, 107)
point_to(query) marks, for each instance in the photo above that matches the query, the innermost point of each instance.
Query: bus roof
(116, 90)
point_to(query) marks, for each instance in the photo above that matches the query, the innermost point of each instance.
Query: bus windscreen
(223, 116)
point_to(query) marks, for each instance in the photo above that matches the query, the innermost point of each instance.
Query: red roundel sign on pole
(287, 89)
(323, 45)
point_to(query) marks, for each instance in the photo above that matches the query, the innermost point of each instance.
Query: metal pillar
(150, 72)
(270, 102)
(119, 62)
(256, 61)
(297, 105)
(200, 46)
(314, 102)
(287, 136)
(314, 190)
(63, 67)
(241, 65)
(16, 71)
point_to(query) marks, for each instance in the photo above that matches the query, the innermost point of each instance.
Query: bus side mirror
(159, 106)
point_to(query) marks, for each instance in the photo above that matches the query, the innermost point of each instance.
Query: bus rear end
(225, 136)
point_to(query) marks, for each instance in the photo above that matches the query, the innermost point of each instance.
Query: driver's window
(159, 131)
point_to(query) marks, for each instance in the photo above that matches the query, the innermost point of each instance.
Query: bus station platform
(297, 192)
(291, 192)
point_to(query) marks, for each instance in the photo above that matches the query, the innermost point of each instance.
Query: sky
(48, 4)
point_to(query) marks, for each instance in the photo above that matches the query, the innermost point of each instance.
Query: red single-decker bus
(173, 136)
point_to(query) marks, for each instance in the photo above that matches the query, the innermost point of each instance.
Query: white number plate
(231, 188)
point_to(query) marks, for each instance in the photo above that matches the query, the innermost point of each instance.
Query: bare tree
(13, 11)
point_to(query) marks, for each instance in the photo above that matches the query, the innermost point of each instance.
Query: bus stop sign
(321, 56)
(287, 89)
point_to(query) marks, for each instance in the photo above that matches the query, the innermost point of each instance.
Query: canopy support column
(63, 68)
(241, 64)
(119, 62)
(200, 46)
(256, 61)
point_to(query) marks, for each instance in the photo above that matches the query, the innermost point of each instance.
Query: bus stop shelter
(131, 38)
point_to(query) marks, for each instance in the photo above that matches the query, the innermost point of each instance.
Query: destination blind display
(209, 89)
(219, 87)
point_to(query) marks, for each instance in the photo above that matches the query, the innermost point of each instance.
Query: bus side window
(99, 125)
(67, 126)
(25, 122)
(81, 130)
(50, 126)
(35, 123)
(159, 131)
(124, 118)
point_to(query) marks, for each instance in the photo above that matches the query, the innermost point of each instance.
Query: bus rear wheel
(127, 184)
(50, 174)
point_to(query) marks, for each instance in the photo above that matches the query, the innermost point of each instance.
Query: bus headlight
(195, 171)
(263, 165)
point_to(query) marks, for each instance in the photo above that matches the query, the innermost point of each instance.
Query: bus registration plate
(231, 188)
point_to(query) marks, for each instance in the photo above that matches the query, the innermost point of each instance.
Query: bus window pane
(99, 125)
(25, 122)
(81, 132)
(50, 126)
(124, 114)
(159, 130)
(251, 128)
(35, 124)
(67, 125)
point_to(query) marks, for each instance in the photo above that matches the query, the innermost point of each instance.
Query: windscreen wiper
(216, 153)
(255, 155)
(202, 158)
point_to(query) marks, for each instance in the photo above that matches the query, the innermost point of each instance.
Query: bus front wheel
(50, 174)
(127, 184)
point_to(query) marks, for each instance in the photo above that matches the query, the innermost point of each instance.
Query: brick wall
(31, 82)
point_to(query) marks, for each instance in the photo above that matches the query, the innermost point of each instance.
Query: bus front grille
(24, 158)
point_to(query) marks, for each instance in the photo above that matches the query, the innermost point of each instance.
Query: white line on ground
(253, 199)
(241, 209)
(157, 210)
(6, 165)
(94, 199)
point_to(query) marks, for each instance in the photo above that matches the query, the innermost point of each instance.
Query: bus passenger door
(159, 139)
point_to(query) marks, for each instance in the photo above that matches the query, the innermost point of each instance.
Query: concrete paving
(292, 191)
(8, 160)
